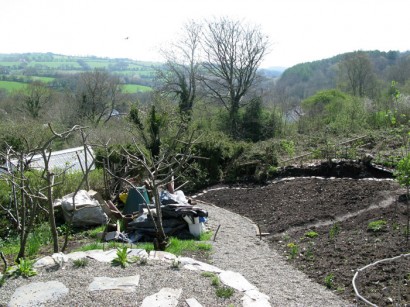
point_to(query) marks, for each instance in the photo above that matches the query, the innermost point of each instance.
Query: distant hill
(305, 79)
(50, 67)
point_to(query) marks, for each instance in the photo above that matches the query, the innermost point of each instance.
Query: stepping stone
(236, 281)
(255, 298)
(194, 265)
(103, 256)
(192, 302)
(35, 294)
(125, 284)
(166, 297)
(160, 255)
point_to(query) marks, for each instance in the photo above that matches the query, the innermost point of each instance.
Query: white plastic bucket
(196, 229)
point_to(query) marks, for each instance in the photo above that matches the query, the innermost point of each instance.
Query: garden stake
(216, 232)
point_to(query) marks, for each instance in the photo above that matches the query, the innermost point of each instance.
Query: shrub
(80, 263)
(329, 281)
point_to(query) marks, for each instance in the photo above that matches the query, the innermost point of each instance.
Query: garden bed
(323, 227)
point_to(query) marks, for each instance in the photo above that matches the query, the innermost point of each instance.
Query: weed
(122, 257)
(311, 234)
(329, 281)
(224, 292)
(208, 274)
(309, 253)
(293, 250)
(215, 281)
(80, 263)
(334, 231)
(24, 268)
(377, 226)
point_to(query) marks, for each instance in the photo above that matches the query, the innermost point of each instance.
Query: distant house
(72, 160)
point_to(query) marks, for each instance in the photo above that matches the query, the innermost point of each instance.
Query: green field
(43, 79)
(134, 88)
(11, 86)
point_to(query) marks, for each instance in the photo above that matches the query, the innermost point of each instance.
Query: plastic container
(196, 229)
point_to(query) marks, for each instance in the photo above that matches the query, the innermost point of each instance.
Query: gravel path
(237, 248)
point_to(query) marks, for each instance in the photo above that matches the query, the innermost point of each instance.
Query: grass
(135, 88)
(80, 263)
(177, 247)
(11, 85)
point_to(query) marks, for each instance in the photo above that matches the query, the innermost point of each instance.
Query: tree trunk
(52, 221)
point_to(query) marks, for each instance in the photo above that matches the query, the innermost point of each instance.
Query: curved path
(237, 248)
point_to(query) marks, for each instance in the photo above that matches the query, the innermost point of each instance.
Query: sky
(299, 31)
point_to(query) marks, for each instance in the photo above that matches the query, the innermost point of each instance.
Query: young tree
(233, 52)
(163, 154)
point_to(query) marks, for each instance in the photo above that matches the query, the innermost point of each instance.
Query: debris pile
(131, 216)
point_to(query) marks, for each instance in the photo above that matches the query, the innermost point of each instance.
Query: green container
(136, 200)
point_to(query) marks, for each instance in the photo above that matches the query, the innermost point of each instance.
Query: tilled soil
(322, 227)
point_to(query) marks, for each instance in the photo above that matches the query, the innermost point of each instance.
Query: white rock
(236, 281)
(192, 302)
(166, 297)
(159, 255)
(35, 294)
(125, 284)
(255, 298)
(194, 265)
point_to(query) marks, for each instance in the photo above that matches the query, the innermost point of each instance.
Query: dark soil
(338, 213)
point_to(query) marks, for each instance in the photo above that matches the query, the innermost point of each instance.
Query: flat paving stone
(35, 294)
(125, 284)
(166, 297)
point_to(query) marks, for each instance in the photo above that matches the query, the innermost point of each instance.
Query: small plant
(377, 226)
(334, 231)
(24, 268)
(309, 253)
(293, 250)
(208, 274)
(215, 281)
(311, 234)
(224, 292)
(329, 281)
(80, 263)
(122, 257)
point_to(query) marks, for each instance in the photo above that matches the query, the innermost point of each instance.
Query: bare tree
(233, 54)
(32, 192)
(97, 95)
(34, 97)
(357, 70)
(179, 75)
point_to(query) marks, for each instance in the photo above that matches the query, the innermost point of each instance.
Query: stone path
(39, 293)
